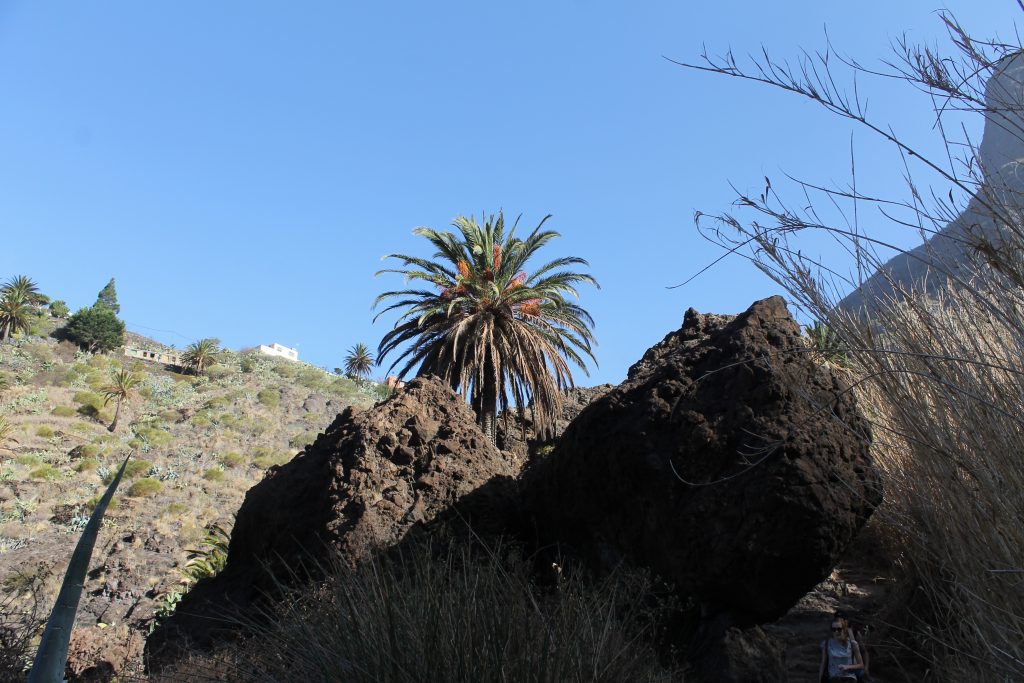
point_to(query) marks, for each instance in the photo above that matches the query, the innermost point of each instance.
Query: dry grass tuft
(446, 618)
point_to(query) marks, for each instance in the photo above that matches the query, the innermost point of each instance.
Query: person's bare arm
(858, 663)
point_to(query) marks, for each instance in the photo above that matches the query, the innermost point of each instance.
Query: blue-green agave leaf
(52, 655)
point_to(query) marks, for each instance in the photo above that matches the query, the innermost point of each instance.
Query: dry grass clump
(444, 618)
(942, 385)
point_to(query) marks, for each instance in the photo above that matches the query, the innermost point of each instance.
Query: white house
(278, 350)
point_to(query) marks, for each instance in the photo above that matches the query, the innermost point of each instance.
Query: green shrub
(271, 398)
(169, 415)
(218, 402)
(314, 378)
(30, 459)
(44, 431)
(229, 420)
(303, 439)
(214, 474)
(201, 419)
(92, 502)
(88, 398)
(220, 372)
(63, 411)
(144, 488)
(47, 472)
(86, 465)
(232, 459)
(41, 353)
(59, 309)
(258, 425)
(89, 450)
(175, 509)
(154, 436)
(134, 469)
(266, 457)
(285, 369)
(343, 386)
(137, 467)
(91, 412)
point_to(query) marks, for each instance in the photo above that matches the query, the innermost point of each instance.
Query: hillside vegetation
(198, 442)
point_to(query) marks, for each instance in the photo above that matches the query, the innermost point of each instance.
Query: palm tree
(22, 287)
(358, 362)
(495, 333)
(17, 296)
(201, 354)
(15, 314)
(121, 388)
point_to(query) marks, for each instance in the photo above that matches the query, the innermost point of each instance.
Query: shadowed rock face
(1001, 161)
(365, 483)
(729, 462)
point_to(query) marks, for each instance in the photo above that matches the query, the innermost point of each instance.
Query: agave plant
(52, 655)
(210, 559)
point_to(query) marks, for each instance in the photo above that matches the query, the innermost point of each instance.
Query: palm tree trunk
(488, 403)
(117, 414)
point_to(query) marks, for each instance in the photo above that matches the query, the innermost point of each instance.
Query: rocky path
(863, 592)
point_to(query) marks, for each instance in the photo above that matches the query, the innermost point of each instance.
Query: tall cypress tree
(108, 297)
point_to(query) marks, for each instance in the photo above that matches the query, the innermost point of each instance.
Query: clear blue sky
(242, 167)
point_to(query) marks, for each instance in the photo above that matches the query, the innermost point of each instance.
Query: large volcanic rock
(730, 462)
(363, 485)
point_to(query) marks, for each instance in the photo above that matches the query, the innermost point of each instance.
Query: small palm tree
(5, 428)
(15, 314)
(358, 362)
(22, 287)
(201, 355)
(121, 388)
(496, 334)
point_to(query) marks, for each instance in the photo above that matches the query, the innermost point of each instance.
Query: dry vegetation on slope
(198, 444)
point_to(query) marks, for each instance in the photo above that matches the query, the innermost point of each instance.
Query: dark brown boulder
(730, 462)
(363, 485)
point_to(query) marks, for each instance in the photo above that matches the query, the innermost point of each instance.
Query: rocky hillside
(198, 443)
